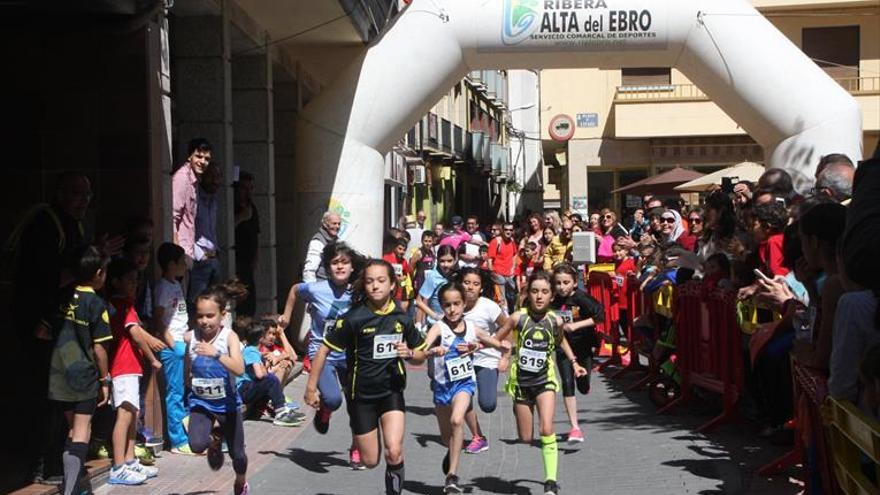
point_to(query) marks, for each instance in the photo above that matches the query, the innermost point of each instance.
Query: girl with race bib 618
(452, 374)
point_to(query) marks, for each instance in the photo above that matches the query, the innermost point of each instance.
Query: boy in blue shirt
(256, 385)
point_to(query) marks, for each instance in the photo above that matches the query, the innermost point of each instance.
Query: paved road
(628, 450)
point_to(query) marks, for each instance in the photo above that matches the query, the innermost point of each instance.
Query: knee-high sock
(73, 458)
(394, 476)
(551, 455)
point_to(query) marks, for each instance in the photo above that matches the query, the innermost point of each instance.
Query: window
(646, 76)
(834, 49)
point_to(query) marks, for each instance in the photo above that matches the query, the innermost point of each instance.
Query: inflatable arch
(728, 49)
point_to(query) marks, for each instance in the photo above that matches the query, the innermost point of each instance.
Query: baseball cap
(456, 220)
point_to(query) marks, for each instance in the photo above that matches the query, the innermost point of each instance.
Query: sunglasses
(695, 220)
(608, 216)
(667, 220)
(508, 230)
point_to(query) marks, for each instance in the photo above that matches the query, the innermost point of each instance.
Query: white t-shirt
(483, 315)
(169, 295)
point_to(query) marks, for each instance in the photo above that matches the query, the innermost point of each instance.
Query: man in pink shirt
(184, 194)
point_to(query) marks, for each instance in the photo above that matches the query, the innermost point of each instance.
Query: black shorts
(529, 395)
(364, 414)
(87, 406)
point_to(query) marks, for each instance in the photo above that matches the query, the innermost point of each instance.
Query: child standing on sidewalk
(78, 377)
(172, 321)
(132, 344)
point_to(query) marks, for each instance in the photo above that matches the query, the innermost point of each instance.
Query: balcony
(684, 110)
(446, 136)
(500, 157)
(476, 78)
(430, 133)
(478, 139)
(458, 138)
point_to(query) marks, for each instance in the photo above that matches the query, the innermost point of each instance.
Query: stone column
(202, 82)
(285, 109)
(254, 147)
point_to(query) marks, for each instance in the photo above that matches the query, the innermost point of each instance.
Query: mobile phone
(762, 275)
(727, 184)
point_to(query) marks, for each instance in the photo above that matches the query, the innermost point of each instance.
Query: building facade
(631, 123)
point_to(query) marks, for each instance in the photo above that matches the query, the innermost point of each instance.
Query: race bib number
(529, 271)
(385, 346)
(567, 316)
(619, 280)
(460, 368)
(209, 388)
(533, 361)
(329, 325)
(398, 269)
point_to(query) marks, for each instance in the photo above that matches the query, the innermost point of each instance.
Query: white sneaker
(124, 475)
(148, 471)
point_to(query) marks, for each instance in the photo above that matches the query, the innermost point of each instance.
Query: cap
(456, 220)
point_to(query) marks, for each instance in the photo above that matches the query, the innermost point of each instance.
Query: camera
(727, 184)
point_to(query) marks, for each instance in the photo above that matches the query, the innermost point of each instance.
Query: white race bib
(209, 388)
(385, 346)
(565, 315)
(619, 279)
(533, 361)
(460, 368)
(398, 269)
(329, 325)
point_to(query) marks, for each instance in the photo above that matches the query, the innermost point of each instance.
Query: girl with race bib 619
(533, 382)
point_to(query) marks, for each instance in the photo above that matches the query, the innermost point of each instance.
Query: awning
(660, 184)
(743, 171)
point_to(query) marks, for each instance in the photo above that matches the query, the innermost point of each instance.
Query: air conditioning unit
(420, 176)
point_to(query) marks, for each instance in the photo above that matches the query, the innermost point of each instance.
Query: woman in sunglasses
(608, 222)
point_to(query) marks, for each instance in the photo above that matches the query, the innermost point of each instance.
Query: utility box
(583, 248)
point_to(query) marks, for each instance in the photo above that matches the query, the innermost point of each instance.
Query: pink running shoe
(322, 420)
(354, 459)
(477, 445)
(575, 435)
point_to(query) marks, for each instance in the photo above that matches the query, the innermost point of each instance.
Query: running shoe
(322, 420)
(354, 460)
(215, 453)
(286, 417)
(575, 435)
(445, 464)
(452, 485)
(477, 445)
(551, 487)
(246, 489)
(148, 471)
(123, 475)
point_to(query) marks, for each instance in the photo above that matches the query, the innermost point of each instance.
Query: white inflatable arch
(728, 49)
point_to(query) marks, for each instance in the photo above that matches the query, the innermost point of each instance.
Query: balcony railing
(445, 136)
(690, 92)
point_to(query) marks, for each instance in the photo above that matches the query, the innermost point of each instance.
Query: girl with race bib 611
(533, 382)
(452, 374)
(213, 360)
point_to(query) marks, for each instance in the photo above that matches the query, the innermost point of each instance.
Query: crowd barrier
(837, 443)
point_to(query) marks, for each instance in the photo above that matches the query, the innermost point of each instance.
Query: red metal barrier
(810, 388)
(600, 286)
(635, 308)
(708, 348)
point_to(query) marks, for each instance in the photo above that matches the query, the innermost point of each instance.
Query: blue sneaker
(124, 475)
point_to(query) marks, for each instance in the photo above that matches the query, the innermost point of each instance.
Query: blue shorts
(443, 394)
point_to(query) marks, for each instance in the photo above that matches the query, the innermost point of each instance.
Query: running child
(378, 336)
(327, 301)
(533, 382)
(213, 360)
(423, 259)
(484, 313)
(79, 380)
(579, 313)
(171, 321)
(132, 345)
(427, 302)
(396, 255)
(452, 374)
(258, 385)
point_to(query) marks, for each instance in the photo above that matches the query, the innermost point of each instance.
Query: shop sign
(588, 120)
